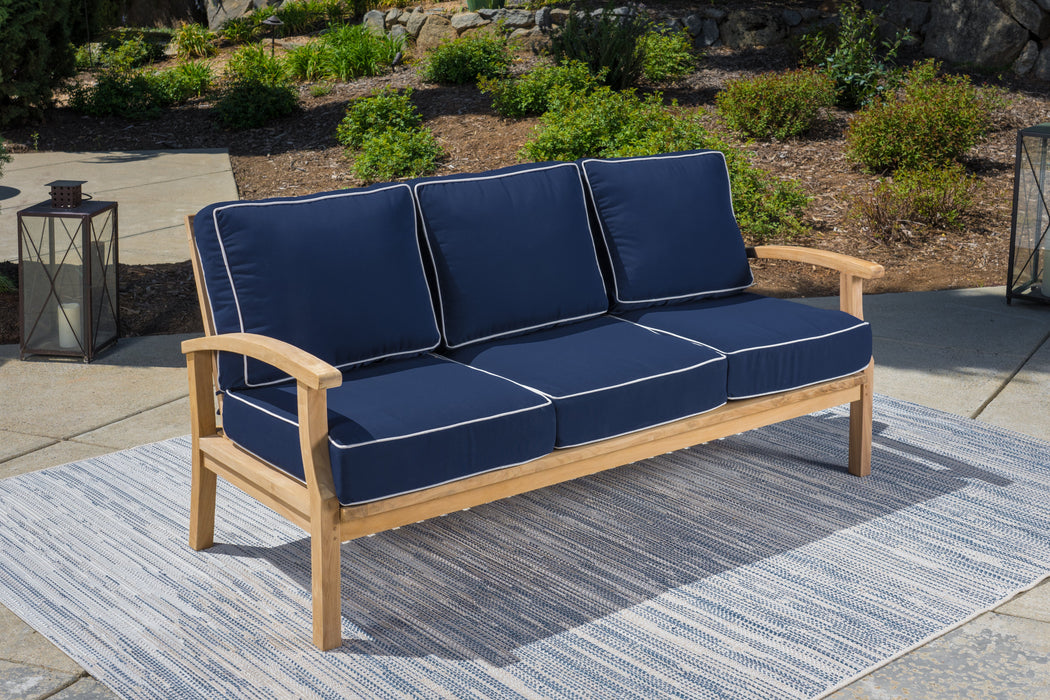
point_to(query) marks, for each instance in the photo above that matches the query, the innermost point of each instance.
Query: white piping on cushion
(799, 340)
(341, 446)
(433, 260)
(605, 235)
(338, 195)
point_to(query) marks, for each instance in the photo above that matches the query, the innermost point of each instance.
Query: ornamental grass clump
(385, 136)
(606, 42)
(775, 105)
(930, 121)
(345, 53)
(194, 41)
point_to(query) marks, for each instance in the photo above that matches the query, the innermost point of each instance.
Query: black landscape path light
(1027, 274)
(273, 21)
(67, 274)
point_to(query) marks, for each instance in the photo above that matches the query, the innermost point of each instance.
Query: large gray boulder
(436, 31)
(1029, 15)
(467, 20)
(1041, 69)
(221, 10)
(375, 22)
(974, 31)
(1026, 61)
(415, 22)
(744, 28)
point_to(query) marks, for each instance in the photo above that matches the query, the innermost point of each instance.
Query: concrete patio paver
(26, 682)
(154, 191)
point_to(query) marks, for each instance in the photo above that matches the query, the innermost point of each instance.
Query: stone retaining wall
(990, 34)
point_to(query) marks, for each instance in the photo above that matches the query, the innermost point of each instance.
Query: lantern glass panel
(1030, 241)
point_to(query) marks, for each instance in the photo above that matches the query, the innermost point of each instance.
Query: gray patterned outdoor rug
(751, 567)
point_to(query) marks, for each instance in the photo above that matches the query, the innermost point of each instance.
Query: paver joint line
(1006, 382)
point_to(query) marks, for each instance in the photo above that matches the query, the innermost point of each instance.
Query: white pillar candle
(68, 325)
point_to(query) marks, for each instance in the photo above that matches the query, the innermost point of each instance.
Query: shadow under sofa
(393, 353)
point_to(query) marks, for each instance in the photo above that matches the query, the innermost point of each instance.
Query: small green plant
(249, 103)
(607, 123)
(253, 63)
(531, 94)
(666, 56)
(912, 201)
(932, 120)
(775, 105)
(320, 89)
(854, 57)
(345, 53)
(122, 93)
(308, 62)
(186, 80)
(466, 59)
(392, 153)
(607, 43)
(382, 110)
(194, 41)
(240, 30)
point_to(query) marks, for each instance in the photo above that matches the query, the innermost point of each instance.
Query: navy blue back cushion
(512, 251)
(339, 275)
(668, 226)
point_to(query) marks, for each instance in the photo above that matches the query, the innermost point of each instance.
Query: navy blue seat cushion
(400, 425)
(512, 251)
(606, 376)
(668, 226)
(339, 275)
(772, 344)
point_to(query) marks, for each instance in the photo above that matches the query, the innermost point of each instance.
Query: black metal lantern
(1028, 277)
(273, 22)
(67, 274)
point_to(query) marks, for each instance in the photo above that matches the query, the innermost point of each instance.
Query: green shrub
(345, 53)
(466, 59)
(607, 123)
(607, 43)
(241, 30)
(392, 153)
(128, 48)
(382, 110)
(775, 105)
(36, 55)
(853, 56)
(186, 80)
(531, 94)
(666, 56)
(253, 63)
(121, 93)
(194, 41)
(899, 208)
(930, 121)
(247, 103)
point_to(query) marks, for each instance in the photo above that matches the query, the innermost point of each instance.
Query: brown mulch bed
(299, 155)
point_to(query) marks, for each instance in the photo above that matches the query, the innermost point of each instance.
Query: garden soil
(299, 155)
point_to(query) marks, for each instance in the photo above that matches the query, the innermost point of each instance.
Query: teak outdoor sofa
(394, 353)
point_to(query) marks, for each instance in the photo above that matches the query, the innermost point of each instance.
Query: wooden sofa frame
(313, 506)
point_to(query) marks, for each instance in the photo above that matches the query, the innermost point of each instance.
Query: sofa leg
(202, 505)
(860, 417)
(326, 581)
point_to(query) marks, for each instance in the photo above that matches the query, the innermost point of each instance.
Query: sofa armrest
(852, 271)
(299, 364)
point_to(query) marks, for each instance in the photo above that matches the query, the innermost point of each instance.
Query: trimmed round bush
(666, 56)
(466, 59)
(775, 105)
(392, 154)
(931, 121)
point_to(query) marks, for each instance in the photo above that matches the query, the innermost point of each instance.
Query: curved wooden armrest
(836, 261)
(301, 365)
